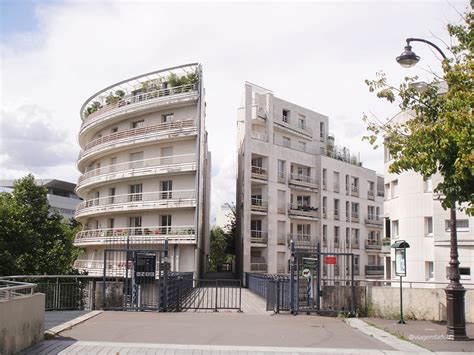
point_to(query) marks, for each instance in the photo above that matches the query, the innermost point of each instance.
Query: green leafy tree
(33, 239)
(437, 137)
(222, 242)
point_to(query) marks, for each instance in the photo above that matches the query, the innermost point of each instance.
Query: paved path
(55, 318)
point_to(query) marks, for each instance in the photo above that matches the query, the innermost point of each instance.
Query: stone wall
(21, 323)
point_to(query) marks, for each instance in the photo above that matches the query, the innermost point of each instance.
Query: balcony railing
(258, 236)
(260, 136)
(354, 190)
(373, 244)
(336, 214)
(303, 180)
(281, 176)
(130, 135)
(259, 173)
(292, 124)
(258, 267)
(380, 193)
(370, 195)
(355, 216)
(142, 200)
(374, 221)
(258, 205)
(136, 235)
(135, 101)
(302, 239)
(295, 209)
(340, 153)
(336, 187)
(281, 240)
(374, 269)
(259, 113)
(171, 164)
(325, 212)
(355, 243)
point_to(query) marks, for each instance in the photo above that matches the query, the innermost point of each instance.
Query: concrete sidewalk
(429, 335)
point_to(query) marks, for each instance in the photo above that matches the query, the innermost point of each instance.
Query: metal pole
(353, 302)
(165, 277)
(292, 277)
(240, 296)
(125, 294)
(215, 309)
(401, 321)
(103, 280)
(318, 277)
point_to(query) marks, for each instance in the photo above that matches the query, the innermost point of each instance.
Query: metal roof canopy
(400, 244)
(132, 84)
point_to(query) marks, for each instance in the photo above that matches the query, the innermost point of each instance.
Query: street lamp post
(455, 292)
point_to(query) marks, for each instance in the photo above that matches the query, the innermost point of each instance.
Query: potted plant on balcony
(95, 106)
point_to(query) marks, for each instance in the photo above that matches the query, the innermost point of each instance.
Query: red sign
(330, 260)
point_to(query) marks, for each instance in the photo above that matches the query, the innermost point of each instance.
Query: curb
(385, 337)
(62, 327)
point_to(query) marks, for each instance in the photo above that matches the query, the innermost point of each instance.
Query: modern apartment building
(413, 213)
(61, 196)
(294, 183)
(145, 169)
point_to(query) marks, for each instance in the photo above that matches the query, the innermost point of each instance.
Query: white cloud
(314, 54)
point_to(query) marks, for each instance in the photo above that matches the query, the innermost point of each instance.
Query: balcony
(259, 173)
(259, 114)
(374, 221)
(380, 193)
(355, 217)
(258, 264)
(301, 239)
(154, 166)
(258, 237)
(355, 243)
(374, 270)
(299, 180)
(370, 195)
(373, 244)
(302, 211)
(259, 205)
(133, 103)
(161, 131)
(340, 153)
(137, 201)
(136, 235)
(260, 136)
(354, 190)
(289, 123)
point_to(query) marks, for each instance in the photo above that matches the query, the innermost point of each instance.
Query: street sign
(306, 273)
(330, 260)
(310, 263)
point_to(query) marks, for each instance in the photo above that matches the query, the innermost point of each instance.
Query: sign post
(400, 247)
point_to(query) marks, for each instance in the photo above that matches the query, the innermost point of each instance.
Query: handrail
(140, 97)
(169, 195)
(138, 164)
(303, 178)
(258, 170)
(133, 132)
(9, 289)
(305, 208)
(135, 231)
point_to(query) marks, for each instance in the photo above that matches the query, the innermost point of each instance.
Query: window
(394, 188)
(301, 122)
(167, 118)
(321, 131)
(281, 170)
(281, 232)
(167, 151)
(285, 116)
(354, 185)
(336, 237)
(325, 173)
(166, 224)
(111, 223)
(465, 273)
(427, 184)
(135, 224)
(370, 189)
(137, 159)
(371, 212)
(281, 201)
(302, 146)
(355, 211)
(256, 228)
(428, 226)
(325, 202)
(138, 124)
(258, 162)
(336, 181)
(395, 229)
(387, 191)
(336, 208)
(303, 229)
(303, 200)
(112, 195)
(286, 142)
(113, 161)
(114, 130)
(355, 237)
(325, 235)
(429, 270)
(462, 225)
(135, 192)
(348, 237)
(348, 211)
(348, 188)
(166, 189)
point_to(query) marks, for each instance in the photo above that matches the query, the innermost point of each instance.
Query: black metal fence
(274, 288)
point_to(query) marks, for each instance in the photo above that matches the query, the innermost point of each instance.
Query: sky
(54, 54)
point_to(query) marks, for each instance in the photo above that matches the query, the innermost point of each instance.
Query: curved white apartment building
(145, 169)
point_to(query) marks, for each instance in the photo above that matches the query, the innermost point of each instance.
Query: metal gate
(134, 279)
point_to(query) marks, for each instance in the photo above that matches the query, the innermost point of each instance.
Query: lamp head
(408, 58)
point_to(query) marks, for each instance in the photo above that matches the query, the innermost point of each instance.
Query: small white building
(224, 217)
(413, 212)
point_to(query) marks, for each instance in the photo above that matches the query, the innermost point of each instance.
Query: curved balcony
(137, 102)
(161, 131)
(175, 164)
(137, 201)
(136, 235)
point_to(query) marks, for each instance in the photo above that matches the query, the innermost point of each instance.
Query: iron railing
(13, 289)
(302, 180)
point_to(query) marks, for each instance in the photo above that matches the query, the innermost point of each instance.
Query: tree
(33, 239)
(222, 242)
(437, 138)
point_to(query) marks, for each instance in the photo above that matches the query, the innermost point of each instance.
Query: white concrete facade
(414, 213)
(291, 184)
(146, 169)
